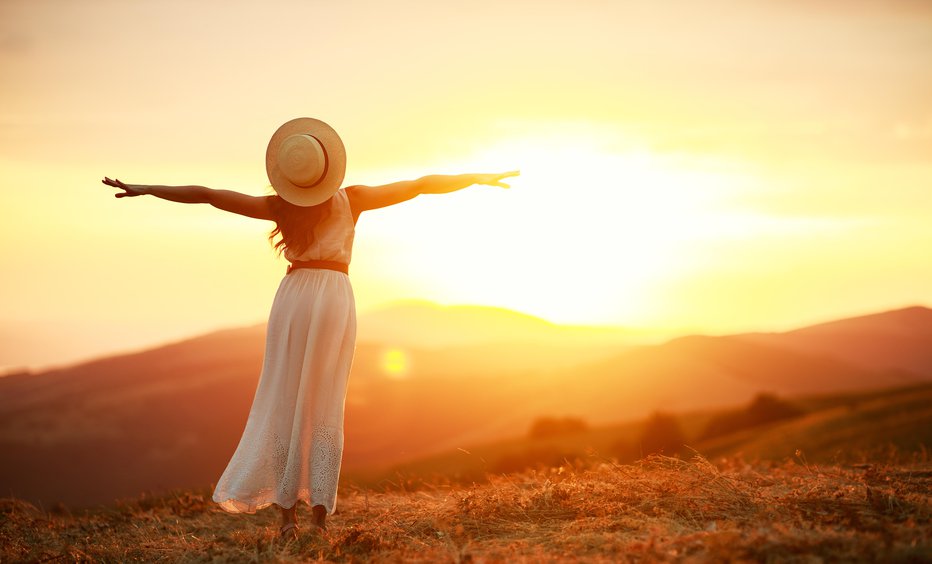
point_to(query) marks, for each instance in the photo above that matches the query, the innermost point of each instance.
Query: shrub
(662, 434)
(551, 427)
(764, 408)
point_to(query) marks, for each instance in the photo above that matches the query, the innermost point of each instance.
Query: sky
(712, 166)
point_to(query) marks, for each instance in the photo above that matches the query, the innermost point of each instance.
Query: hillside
(658, 510)
(845, 428)
(858, 428)
(900, 339)
(697, 372)
(170, 417)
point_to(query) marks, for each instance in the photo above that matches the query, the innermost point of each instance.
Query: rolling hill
(861, 427)
(171, 416)
(840, 428)
(900, 339)
(425, 324)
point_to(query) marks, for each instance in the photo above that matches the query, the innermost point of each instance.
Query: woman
(292, 445)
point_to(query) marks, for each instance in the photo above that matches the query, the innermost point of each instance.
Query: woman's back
(333, 236)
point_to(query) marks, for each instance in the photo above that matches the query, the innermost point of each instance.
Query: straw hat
(305, 161)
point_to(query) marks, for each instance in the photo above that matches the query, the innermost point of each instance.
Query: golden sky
(708, 166)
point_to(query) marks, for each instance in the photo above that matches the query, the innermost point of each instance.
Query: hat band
(323, 174)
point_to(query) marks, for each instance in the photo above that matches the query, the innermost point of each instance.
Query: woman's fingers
(114, 183)
(117, 183)
(496, 179)
(506, 175)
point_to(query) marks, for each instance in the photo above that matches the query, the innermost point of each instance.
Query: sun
(591, 231)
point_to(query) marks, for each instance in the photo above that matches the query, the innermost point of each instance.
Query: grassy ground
(660, 509)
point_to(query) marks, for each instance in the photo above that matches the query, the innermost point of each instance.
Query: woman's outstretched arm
(227, 200)
(364, 198)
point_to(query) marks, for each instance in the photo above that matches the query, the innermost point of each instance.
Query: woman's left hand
(129, 190)
(495, 179)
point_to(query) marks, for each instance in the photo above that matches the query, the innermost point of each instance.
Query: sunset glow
(574, 200)
(744, 166)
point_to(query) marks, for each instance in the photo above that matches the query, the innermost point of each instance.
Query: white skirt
(292, 446)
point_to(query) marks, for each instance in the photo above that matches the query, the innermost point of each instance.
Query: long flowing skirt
(292, 445)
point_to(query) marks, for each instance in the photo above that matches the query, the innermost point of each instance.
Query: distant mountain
(899, 339)
(120, 425)
(428, 325)
(172, 416)
(469, 340)
(698, 372)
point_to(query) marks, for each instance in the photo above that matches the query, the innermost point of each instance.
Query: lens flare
(395, 363)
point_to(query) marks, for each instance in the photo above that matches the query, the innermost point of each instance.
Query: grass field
(659, 509)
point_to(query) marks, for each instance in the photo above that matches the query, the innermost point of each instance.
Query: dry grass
(660, 509)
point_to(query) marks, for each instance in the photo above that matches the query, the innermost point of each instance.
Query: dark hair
(295, 224)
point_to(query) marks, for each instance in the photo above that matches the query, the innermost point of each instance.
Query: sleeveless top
(333, 237)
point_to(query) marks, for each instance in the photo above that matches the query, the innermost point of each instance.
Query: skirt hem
(233, 505)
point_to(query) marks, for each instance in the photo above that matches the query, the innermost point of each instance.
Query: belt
(325, 264)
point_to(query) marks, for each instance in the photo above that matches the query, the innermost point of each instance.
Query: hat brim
(328, 185)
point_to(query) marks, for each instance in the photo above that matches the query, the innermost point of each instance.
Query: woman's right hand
(129, 190)
(495, 179)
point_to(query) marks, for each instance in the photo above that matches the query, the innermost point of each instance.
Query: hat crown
(302, 159)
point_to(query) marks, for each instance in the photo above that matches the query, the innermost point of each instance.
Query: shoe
(289, 532)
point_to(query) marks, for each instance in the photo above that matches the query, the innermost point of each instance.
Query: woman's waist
(336, 265)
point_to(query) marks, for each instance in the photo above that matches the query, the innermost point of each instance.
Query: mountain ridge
(171, 416)
(900, 339)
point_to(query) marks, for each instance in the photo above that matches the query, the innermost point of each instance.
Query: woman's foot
(289, 528)
(288, 532)
(319, 517)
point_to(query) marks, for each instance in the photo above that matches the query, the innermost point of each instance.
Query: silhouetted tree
(764, 408)
(768, 407)
(662, 434)
(552, 427)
